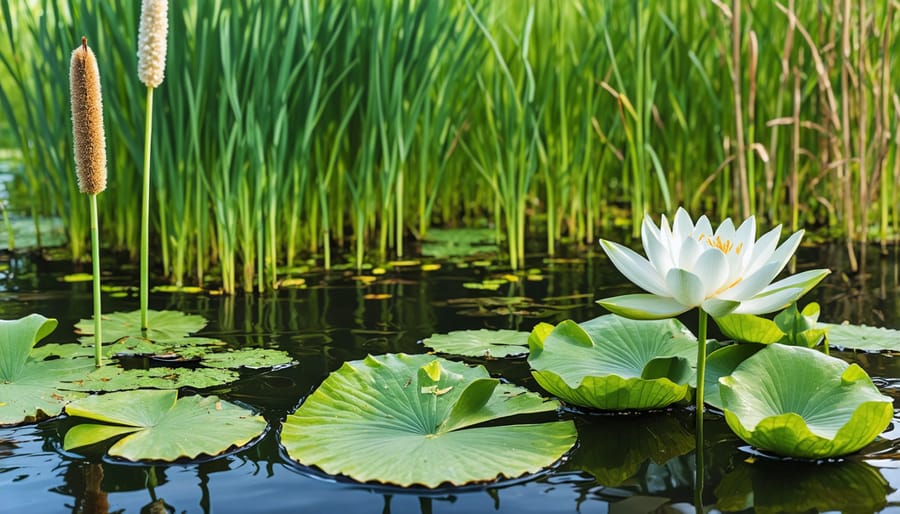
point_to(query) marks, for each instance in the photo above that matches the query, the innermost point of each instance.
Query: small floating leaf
(862, 337)
(178, 289)
(253, 358)
(113, 378)
(164, 325)
(480, 343)
(159, 426)
(421, 411)
(77, 277)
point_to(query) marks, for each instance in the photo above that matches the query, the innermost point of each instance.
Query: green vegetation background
(290, 127)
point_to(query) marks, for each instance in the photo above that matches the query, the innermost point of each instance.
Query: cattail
(152, 41)
(87, 121)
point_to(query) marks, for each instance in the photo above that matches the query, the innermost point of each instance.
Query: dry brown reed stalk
(87, 121)
(152, 33)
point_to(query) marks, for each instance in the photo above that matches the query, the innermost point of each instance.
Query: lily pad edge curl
(615, 363)
(422, 420)
(797, 402)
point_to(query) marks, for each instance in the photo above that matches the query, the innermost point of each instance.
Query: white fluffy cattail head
(87, 121)
(152, 33)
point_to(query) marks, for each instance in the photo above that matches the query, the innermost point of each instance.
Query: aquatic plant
(31, 387)
(603, 125)
(151, 53)
(90, 155)
(422, 410)
(798, 402)
(614, 363)
(157, 425)
(689, 266)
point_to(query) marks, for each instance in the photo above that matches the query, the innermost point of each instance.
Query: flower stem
(145, 213)
(95, 261)
(701, 379)
(701, 362)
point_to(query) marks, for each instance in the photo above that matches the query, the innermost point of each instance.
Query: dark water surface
(625, 463)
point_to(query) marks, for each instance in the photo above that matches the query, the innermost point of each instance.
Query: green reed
(309, 126)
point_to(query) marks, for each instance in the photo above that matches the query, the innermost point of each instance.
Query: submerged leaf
(798, 402)
(162, 427)
(480, 343)
(614, 363)
(392, 403)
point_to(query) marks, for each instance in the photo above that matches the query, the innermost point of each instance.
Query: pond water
(625, 463)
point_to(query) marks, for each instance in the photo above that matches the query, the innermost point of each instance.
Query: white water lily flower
(721, 272)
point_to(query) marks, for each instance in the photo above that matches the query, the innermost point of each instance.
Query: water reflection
(781, 486)
(623, 463)
(640, 452)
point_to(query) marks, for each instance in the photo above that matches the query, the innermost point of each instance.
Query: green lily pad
(31, 387)
(158, 426)
(774, 487)
(164, 325)
(114, 378)
(791, 327)
(409, 420)
(862, 337)
(614, 448)
(253, 358)
(798, 402)
(721, 363)
(186, 347)
(480, 343)
(614, 363)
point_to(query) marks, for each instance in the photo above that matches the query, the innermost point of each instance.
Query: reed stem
(95, 261)
(145, 214)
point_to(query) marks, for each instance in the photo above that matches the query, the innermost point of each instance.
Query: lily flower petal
(635, 268)
(717, 308)
(643, 306)
(685, 287)
(712, 268)
(805, 281)
(689, 265)
(765, 303)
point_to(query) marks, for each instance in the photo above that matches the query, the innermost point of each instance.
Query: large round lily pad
(409, 420)
(157, 425)
(614, 363)
(798, 402)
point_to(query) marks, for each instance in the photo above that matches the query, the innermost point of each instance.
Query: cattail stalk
(90, 156)
(152, 33)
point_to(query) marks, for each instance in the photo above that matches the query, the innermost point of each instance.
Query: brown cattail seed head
(87, 121)
(152, 33)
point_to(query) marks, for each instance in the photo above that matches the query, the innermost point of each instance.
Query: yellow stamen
(725, 245)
